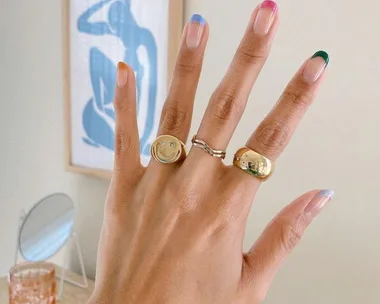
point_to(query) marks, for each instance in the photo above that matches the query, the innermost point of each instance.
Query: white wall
(337, 146)
(31, 126)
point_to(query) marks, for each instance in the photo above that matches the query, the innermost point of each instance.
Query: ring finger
(276, 130)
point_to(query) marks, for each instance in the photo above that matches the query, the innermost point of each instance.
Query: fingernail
(195, 31)
(318, 202)
(315, 66)
(265, 17)
(122, 74)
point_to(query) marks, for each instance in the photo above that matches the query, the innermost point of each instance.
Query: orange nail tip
(122, 65)
(122, 74)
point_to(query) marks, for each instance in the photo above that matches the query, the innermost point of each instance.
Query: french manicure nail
(265, 17)
(195, 31)
(122, 74)
(318, 202)
(315, 66)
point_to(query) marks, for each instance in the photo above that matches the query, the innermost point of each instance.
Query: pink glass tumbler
(32, 283)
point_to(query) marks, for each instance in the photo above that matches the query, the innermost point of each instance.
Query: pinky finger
(280, 238)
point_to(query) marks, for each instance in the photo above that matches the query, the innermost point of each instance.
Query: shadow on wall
(89, 204)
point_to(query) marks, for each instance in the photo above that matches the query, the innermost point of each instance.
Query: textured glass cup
(32, 283)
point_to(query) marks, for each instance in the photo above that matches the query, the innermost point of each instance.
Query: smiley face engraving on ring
(167, 149)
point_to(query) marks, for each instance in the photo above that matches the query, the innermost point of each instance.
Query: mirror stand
(21, 221)
(72, 238)
(84, 284)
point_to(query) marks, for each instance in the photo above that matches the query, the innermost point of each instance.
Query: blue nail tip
(198, 18)
(327, 193)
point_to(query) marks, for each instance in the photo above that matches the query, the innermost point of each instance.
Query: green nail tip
(323, 55)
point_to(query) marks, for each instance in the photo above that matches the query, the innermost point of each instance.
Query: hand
(173, 233)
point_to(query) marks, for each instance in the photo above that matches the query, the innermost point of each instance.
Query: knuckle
(186, 66)
(297, 96)
(290, 233)
(174, 118)
(226, 106)
(123, 141)
(273, 135)
(119, 104)
(251, 54)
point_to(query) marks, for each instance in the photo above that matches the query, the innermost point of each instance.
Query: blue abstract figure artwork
(98, 115)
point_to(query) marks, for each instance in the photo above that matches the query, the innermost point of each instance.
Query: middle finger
(229, 100)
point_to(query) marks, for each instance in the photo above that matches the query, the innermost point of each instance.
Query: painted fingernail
(315, 67)
(265, 17)
(122, 74)
(195, 31)
(318, 202)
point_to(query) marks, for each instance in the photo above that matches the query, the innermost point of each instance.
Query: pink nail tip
(269, 4)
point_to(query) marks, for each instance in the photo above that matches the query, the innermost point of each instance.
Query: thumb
(280, 237)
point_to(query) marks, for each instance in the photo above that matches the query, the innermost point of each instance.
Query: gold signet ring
(167, 149)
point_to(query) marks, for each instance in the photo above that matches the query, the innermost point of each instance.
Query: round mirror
(46, 227)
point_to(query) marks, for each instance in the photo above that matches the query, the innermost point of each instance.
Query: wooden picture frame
(175, 27)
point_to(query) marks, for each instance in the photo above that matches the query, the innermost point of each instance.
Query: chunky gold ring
(204, 146)
(167, 149)
(253, 163)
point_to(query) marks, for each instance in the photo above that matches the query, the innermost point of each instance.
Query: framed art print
(97, 35)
